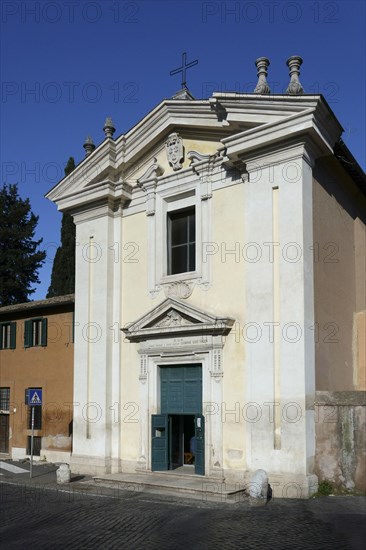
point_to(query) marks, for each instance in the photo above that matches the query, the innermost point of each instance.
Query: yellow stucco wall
(225, 297)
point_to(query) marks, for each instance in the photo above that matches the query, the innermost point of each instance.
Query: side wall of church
(339, 279)
(340, 314)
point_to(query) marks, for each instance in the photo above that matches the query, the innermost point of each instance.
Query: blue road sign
(35, 396)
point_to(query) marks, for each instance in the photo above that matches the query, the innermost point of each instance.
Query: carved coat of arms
(175, 151)
(173, 319)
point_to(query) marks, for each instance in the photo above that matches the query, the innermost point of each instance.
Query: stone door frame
(212, 390)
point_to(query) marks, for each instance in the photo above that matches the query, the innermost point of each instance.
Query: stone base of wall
(284, 485)
(20, 453)
(59, 442)
(80, 464)
(56, 455)
(341, 438)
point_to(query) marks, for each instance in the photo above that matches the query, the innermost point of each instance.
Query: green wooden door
(181, 394)
(181, 389)
(159, 442)
(199, 433)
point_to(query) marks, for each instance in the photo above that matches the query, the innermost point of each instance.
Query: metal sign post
(32, 439)
(33, 399)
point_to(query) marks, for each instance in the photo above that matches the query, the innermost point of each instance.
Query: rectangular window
(8, 335)
(4, 399)
(181, 241)
(37, 442)
(35, 333)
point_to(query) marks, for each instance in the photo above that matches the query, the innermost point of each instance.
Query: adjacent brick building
(37, 351)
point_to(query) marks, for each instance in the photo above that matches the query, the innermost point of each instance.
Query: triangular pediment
(204, 125)
(175, 317)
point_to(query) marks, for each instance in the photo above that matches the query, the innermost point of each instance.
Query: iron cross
(183, 68)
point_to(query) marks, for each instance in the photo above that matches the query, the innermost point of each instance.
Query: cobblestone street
(52, 518)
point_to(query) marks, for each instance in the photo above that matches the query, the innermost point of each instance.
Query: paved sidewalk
(83, 514)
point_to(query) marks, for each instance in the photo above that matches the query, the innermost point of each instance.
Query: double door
(178, 432)
(178, 440)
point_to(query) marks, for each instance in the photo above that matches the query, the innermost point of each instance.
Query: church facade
(219, 268)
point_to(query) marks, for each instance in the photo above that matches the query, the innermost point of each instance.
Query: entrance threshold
(174, 484)
(186, 470)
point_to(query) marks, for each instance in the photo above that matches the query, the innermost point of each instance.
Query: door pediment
(173, 317)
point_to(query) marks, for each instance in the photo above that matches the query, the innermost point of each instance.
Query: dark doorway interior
(182, 431)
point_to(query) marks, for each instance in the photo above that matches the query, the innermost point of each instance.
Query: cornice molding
(151, 174)
(283, 153)
(270, 118)
(86, 173)
(173, 317)
(305, 126)
(104, 192)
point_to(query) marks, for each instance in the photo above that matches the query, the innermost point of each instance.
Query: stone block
(258, 488)
(63, 474)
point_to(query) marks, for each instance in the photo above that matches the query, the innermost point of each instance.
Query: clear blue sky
(68, 65)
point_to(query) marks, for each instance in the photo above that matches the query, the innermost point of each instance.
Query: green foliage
(70, 166)
(20, 257)
(325, 488)
(63, 269)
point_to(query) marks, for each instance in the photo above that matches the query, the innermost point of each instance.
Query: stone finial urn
(89, 146)
(294, 63)
(108, 128)
(262, 87)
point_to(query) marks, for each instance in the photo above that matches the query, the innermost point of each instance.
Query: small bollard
(63, 474)
(258, 489)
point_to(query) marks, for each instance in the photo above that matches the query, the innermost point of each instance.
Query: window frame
(37, 417)
(170, 203)
(169, 194)
(8, 341)
(35, 332)
(190, 211)
(37, 445)
(5, 399)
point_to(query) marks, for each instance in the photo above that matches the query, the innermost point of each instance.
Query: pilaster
(96, 423)
(280, 307)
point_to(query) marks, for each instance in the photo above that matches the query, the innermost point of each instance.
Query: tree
(63, 269)
(20, 257)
